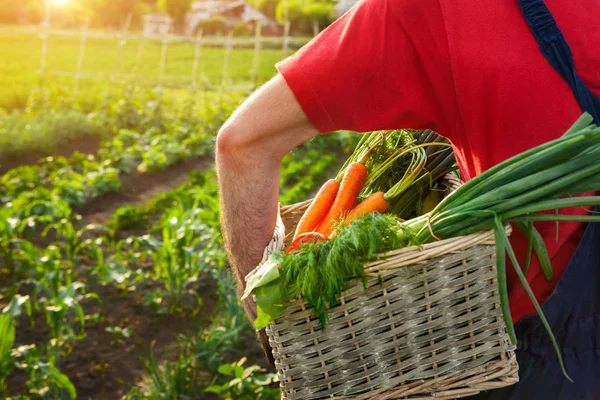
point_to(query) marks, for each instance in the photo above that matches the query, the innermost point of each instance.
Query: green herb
(319, 272)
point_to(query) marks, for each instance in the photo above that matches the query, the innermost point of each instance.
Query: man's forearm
(249, 185)
(250, 147)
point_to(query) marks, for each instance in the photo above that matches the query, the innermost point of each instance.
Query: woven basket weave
(428, 325)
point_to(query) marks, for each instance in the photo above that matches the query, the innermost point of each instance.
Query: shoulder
(393, 10)
(394, 19)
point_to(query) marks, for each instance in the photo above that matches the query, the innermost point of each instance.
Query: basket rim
(417, 253)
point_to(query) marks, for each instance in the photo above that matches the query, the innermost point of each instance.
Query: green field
(109, 72)
(21, 58)
(114, 283)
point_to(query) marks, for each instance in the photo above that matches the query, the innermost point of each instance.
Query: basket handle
(278, 238)
(275, 244)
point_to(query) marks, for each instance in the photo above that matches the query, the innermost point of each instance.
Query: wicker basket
(428, 325)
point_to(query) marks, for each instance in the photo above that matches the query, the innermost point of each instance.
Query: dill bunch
(321, 271)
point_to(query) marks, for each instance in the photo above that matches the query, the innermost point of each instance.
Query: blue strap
(558, 53)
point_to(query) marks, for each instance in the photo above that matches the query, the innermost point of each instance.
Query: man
(496, 79)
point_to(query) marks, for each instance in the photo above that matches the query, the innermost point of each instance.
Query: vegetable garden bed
(117, 305)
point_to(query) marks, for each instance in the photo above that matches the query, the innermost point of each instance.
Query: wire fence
(193, 79)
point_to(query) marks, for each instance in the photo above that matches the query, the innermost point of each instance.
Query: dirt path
(88, 145)
(138, 188)
(102, 365)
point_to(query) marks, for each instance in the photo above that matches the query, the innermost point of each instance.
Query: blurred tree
(320, 14)
(113, 14)
(295, 13)
(304, 14)
(177, 9)
(267, 7)
(214, 25)
(21, 12)
(101, 13)
(242, 29)
(9, 11)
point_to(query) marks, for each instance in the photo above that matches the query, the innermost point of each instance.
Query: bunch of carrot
(333, 201)
(397, 155)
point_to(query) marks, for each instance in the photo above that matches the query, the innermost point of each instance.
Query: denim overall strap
(558, 52)
(573, 309)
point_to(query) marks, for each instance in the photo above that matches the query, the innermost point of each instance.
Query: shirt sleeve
(383, 65)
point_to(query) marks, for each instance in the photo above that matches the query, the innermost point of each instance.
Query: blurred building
(343, 5)
(233, 13)
(157, 24)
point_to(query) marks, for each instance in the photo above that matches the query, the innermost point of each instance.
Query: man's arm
(249, 150)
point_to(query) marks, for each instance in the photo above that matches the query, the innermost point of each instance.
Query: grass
(44, 131)
(19, 79)
(40, 120)
(21, 56)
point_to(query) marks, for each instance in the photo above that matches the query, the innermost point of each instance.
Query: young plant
(177, 256)
(61, 298)
(19, 255)
(45, 380)
(245, 383)
(73, 239)
(7, 339)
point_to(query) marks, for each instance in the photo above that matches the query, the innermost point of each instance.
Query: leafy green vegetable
(269, 303)
(266, 273)
(319, 272)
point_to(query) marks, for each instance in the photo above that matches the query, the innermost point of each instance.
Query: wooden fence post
(228, 48)
(163, 59)
(197, 68)
(122, 42)
(286, 29)
(257, 48)
(286, 40)
(81, 54)
(45, 34)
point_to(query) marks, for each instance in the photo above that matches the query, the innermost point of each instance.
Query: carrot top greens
(320, 271)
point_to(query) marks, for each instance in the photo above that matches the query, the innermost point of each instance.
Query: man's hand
(249, 150)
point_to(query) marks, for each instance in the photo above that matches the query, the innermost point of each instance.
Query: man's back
(471, 70)
(509, 97)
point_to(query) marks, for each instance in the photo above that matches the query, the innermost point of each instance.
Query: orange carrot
(352, 183)
(306, 237)
(318, 208)
(375, 202)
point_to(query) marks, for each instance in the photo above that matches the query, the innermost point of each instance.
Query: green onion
(513, 191)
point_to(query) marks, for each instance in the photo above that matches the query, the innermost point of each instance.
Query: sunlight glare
(59, 2)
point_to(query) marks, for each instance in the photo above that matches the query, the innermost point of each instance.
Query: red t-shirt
(470, 70)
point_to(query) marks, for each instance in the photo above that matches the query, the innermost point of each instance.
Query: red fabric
(470, 70)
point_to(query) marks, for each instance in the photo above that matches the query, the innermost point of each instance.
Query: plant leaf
(269, 304)
(262, 275)
(538, 309)
(63, 381)
(539, 246)
(500, 238)
(529, 246)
